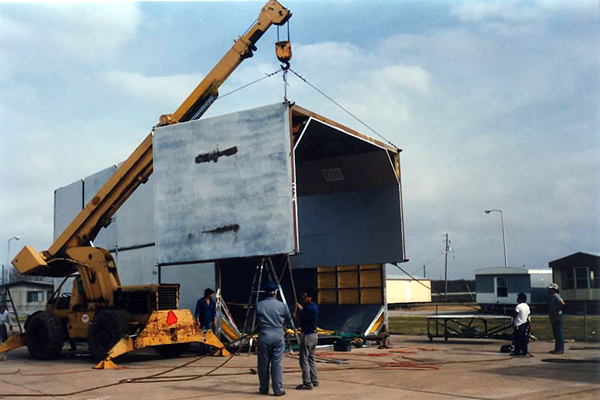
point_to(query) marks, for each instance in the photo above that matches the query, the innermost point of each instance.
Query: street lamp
(5, 279)
(503, 234)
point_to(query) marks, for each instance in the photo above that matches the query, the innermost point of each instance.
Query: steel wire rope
(343, 108)
(412, 277)
(251, 83)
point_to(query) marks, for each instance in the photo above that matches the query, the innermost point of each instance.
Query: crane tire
(106, 329)
(45, 335)
(172, 350)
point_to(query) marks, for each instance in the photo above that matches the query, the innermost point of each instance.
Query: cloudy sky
(495, 105)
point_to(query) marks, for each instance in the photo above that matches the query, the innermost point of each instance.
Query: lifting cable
(422, 284)
(251, 83)
(344, 109)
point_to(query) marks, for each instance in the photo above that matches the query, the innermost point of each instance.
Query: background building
(499, 286)
(403, 289)
(28, 296)
(578, 276)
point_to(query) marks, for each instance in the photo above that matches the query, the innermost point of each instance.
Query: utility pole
(424, 274)
(446, 267)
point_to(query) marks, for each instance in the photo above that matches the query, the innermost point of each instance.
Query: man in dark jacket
(206, 310)
(206, 316)
(308, 316)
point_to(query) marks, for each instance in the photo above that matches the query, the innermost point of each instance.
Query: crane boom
(136, 170)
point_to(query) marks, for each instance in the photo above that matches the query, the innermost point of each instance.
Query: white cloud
(168, 90)
(13, 30)
(500, 10)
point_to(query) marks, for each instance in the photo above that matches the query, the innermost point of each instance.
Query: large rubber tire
(45, 336)
(172, 350)
(107, 328)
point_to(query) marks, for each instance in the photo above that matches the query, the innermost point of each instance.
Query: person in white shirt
(4, 319)
(521, 322)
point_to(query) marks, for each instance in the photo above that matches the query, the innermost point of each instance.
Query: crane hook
(283, 50)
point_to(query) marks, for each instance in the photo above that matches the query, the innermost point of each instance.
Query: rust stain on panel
(223, 229)
(215, 155)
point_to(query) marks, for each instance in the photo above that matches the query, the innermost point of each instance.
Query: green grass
(541, 328)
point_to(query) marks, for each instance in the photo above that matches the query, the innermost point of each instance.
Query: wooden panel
(370, 278)
(348, 296)
(347, 268)
(371, 296)
(370, 266)
(325, 269)
(326, 281)
(347, 280)
(327, 296)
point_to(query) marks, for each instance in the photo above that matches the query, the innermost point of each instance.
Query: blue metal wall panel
(193, 279)
(68, 202)
(137, 266)
(107, 238)
(349, 228)
(136, 218)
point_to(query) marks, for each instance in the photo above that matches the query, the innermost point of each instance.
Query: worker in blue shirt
(307, 316)
(206, 315)
(206, 310)
(271, 315)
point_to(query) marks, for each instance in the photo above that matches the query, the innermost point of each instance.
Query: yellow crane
(112, 318)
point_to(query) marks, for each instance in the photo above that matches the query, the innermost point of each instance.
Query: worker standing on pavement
(308, 317)
(271, 314)
(206, 315)
(206, 310)
(555, 307)
(4, 319)
(521, 322)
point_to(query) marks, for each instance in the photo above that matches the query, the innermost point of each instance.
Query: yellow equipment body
(162, 329)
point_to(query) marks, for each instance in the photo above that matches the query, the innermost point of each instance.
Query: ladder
(8, 299)
(265, 266)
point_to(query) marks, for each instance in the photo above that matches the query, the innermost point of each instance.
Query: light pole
(5, 280)
(503, 235)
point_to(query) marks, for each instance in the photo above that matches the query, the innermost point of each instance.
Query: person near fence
(522, 324)
(4, 319)
(307, 316)
(555, 312)
(271, 315)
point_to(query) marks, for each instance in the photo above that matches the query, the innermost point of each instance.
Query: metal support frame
(266, 265)
(8, 299)
(451, 326)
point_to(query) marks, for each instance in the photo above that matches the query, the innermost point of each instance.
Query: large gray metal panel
(238, 205)
(138, 266)
(192, 278)
(107, 238)
(68, 202)
(349, 228)
(136, 218)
